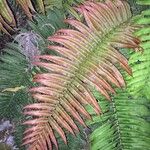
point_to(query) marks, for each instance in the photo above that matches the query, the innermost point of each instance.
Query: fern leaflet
(89, 54)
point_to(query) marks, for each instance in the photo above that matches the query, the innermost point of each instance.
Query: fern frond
(143, 2)
(139, 84)
(40, 3)
(89, 58)
(7, 20)
(122, 124)
(14, 80)
(46, 25)
(28, 8)
(126, 121)
(53, 3)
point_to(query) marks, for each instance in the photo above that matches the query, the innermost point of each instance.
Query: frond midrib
(116, 120)
(85, 64)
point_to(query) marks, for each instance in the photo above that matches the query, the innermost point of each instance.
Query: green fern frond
(53, 3)
(123, 124)
(46, 25)
(15, 78)
(143, 2)
(15, 81)
(89, 55)
(139, 84)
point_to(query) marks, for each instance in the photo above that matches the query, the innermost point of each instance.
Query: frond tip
(89, 56)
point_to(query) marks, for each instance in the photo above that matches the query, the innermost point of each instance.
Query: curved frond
(126, 120)
(7, 20)
(46, 25)
(27, 7)
(143, 2)
(14, 81)
(123, 124)
(88, 58)
(140, 82)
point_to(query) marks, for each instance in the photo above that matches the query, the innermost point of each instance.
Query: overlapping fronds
(15, 75)
(88, 57)
(14, 81)
(53, 3)
(122, 124)
(125, 124)
(16, 71)
(28, 7)
(7, 21)
(6, 17)
(46, 25)
(140, 82)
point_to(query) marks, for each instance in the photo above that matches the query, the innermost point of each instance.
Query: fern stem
(117, 123)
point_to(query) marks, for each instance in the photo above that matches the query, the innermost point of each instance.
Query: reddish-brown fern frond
(89, 54)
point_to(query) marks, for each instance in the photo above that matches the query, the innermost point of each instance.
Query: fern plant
(125, 123)
(14, 77)
(16, 70)
(45, 25)
(6, 17)
(15, 73)
(122, 124)
(140, 63)
(30, 7)
(88, 58)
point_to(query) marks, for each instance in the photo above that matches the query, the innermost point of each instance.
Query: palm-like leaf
(126, 121)
(122, 124)
(88, 58)
(140, 82)
(15, 79)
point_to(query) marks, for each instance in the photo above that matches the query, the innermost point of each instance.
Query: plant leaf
(89, 52)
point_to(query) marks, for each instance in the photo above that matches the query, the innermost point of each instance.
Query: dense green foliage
(125, 121)
(125, 125)
(15, 78)
(16, 72)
